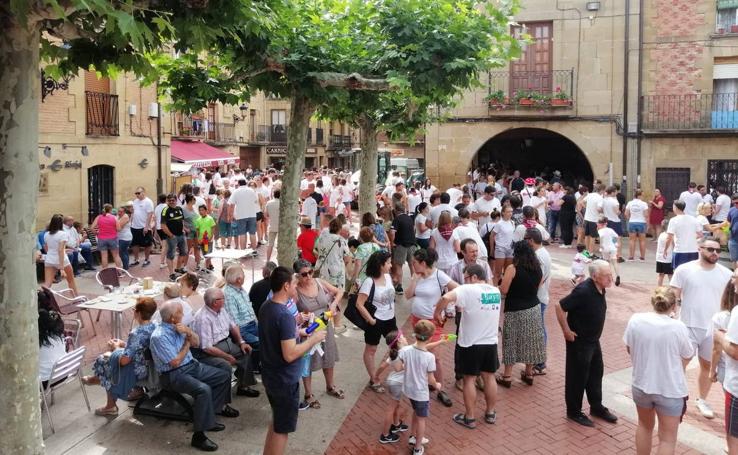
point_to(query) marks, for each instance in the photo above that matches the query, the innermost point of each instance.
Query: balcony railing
(223, 132)
(530, 88)
(337, 142)
(270, 134)
(102, 114)
(690, 112)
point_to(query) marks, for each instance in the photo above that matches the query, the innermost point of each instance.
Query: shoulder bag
(352, 313)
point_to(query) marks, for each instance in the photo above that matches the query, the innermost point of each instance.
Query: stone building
(606, 91)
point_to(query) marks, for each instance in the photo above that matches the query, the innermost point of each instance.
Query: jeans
(553, 222)
(733, 249)
(123, 252)
(584, 370)
(250, 334)
(86, 252)
(73, 259)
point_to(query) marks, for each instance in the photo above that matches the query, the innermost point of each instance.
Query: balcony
(339, 142)
(194, 127)
(270, 134)
(691, 113)
(102, 114)
(524, 92)
(223, 133)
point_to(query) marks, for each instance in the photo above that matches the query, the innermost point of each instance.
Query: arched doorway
(535, 152)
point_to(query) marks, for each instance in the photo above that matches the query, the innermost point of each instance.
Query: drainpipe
(626, 88)
(159, 176)
(640, 92)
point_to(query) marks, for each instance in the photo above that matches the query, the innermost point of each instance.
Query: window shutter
(727, 4)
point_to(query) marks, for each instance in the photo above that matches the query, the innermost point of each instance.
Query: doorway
(101, 189)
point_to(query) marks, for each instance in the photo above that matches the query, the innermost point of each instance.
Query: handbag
(352, 312)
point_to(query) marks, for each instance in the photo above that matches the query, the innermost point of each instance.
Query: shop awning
(200, 154)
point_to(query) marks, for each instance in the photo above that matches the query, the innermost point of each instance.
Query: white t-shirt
(707, 198)
(445, 249)
(504, 231)
(685, 229)
(730, 383)
(265, 192)
(527, 193)
(187, 313)
(310, 208)
(539, 203)
(427, 294)
(53, 242)
(421, 219)
(48, 355)
(637, 209)
(545, 259)
(412, 202)
(455, 195)
(427, 192)
(480, 313)
(272, 211)
(704, 222)
(722, 207)
(691, 201)
(657, 345)
(142, 208)
(608, 240)
(701, 292)
(594, 207)
(483, 205)
(157, 215)
(610, 207)
(348, 192)
(396, 377)
(519, 233)
(384, 297)
(436, 211)
(469, 231)
(246, 203)
(660, 245)
(418, 363)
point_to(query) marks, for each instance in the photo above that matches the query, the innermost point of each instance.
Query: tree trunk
(300, 112)
(368, 165)
(19, 174)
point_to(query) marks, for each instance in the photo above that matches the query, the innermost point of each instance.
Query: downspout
(159, 176)
(640, 92)
(626, 87)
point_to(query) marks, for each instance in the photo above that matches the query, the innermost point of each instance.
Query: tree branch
(353, 81)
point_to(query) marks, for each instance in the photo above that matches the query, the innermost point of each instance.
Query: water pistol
(587, 254)
(319, 323)
(449, 337)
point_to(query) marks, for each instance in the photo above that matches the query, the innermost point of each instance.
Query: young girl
(393, 417)
(609, 246)
(579, 264)
(663, 264)
(720, 322)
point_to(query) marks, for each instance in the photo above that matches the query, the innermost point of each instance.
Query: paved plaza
(530, 419)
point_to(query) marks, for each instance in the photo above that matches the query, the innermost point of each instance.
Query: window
(532, 71)
(279, 117)
(727, 15)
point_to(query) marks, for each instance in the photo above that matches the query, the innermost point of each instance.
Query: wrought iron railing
(336, 142)
(101, 114)
(690, 112)
(511, 85)
(224, 132)
(271, 134)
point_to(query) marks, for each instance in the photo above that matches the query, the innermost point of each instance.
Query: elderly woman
(239, 306)
(119, 370)
(522, 330)
(659, 346)
(362, 254)
(332, 252)
(315, 295)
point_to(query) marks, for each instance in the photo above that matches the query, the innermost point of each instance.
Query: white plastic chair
(65, 371)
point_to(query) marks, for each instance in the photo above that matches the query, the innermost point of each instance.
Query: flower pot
(721, 31)
(498, 102)
(734, 28)
(526, 102)
(560, 102)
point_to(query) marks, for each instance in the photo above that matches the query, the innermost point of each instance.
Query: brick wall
(678, 17)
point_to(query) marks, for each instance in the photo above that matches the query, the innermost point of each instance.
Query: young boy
(663, 261)
(579, 263)
(419, 365)
(609, 246)
(204, 226)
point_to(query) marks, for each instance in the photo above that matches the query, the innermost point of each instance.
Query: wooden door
(533, 70)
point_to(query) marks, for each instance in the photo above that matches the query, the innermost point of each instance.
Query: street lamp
(244, 108)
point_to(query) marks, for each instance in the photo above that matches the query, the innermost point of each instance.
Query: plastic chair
(65, 371)
(69, 305)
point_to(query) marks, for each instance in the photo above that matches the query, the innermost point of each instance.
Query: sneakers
(705, 409)
(173, 277)
(303, 405)
(399, 428)
(145, 263)
(163, 265)
(419, 450)
(389, 438)
(134, 263)
(411, 440)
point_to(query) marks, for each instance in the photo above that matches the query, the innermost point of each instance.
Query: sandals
(90, 380)
(525, 378)
(504, 381)
(376, 387)
(107, 411)
(539, 370)
(312, 402)
(336, 392)
(464, 422)
(490, 417)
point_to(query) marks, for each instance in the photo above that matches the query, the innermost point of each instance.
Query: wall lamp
(244, 108)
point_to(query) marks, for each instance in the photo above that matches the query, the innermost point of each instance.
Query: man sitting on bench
(210, 387)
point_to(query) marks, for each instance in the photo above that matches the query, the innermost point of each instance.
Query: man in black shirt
(172, 223)
(260, 290)
(402, 237)
(581, 315)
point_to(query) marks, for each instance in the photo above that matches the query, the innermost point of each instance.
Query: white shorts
(609, 255)
(701, 341)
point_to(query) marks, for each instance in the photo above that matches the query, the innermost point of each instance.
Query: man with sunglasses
(141, 222)
(700, 285)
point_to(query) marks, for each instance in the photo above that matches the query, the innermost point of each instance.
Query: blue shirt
(166, 343)
(276, 323)
(733, 219)
(138, 340)
(238, 305)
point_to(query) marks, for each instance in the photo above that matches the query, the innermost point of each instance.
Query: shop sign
(58, 165)
(279, 150)
(311, 151)
(397, 152)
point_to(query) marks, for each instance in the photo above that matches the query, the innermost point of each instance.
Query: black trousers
(566, 221)
(584, 370)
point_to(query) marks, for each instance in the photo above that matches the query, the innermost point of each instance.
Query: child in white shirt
(393, 418)
(579, 264)
(663, 260)
(609, 246)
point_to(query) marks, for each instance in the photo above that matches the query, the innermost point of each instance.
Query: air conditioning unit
(132, 110)
(153, 110)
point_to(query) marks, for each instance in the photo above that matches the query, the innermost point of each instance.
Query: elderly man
(238, 305)
(209, 387)
(470, 251)
(221, 344)
(581, 316)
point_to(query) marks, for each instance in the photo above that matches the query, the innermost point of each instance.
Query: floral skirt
(119, 386)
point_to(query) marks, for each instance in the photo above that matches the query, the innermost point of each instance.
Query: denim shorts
(421, 408)
(107, 244)
(224, 229)
(672, 407)
(244, 226)
(637, 228)
(733, 249)
(174, 244)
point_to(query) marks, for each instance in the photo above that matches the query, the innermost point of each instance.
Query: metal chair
(71, 331)
(69, 305)
(65, 371)
(109, 279)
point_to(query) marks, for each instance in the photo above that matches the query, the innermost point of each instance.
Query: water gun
(449, 337)
(319, 323)
(587, 254)
(205, 243)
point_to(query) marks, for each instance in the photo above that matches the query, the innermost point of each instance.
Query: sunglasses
(306, 274)
(710, 249)
(137, 193)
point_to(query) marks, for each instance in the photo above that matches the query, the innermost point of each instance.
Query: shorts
(375, 332)
(423, 243)
(678, 259)
(609, 255)
(224, 229)
(637, 228)
(395, 390)
(421, 408)
(259, 216)
(480, 358)
(616, 226)
(733, 250)
(403, 254)
(503, 252)
(590, 229)
(347, 203)
(272, 238)
(665, 268)
(192, 235)
(701, 341)
(439, 328)
(244, 226)
(731, 414)
(141, 239)
(579, 219)
(174, 244)
(107, 244)
(284, 401)
(672, 407)
(162, 235)
(306, 371)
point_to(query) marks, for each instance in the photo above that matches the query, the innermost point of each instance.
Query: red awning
(200, 154)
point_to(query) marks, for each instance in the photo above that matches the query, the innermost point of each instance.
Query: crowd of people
(476, 253)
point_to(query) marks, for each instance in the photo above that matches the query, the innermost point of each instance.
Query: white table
(121, 300)
(233, 254)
